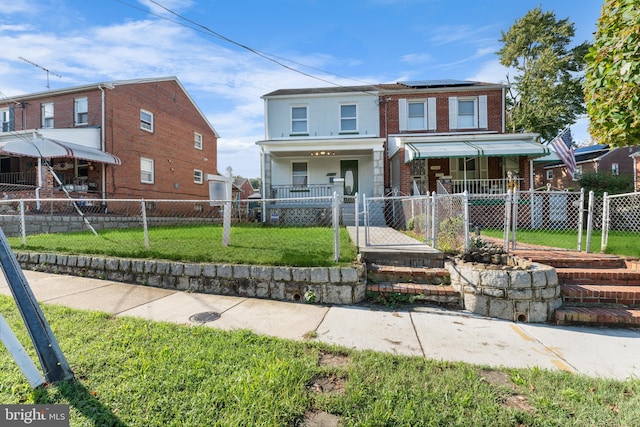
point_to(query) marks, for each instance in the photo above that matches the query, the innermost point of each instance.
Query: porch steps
(421, 284)
(597, 289)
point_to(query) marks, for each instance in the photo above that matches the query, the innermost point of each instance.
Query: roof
(111, 85)
(386, 87)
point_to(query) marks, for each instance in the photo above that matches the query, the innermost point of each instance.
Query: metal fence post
(466, 219)
(356, 216)
(581, 221)
(365, 219)
(23, 224)
(427, 218)
(514, 218)
(605, 222)
(507, 220)
(589, 221)
(434, 219)
(336, 226)
(145, 228)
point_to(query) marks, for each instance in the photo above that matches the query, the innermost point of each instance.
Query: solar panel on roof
(437, 83)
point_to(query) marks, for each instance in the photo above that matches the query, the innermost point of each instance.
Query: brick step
(440, 294)
(628, 296)
(597, 316)
(574, 260)
(595, 276)
(377, 273)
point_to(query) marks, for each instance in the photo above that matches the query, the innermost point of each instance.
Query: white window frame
(428, 121)
(416, 122)
(297, 175)
(462, 124)
(146, 120)
(5, 120)
(615, 169)
(578, 173)
(480, 116)
(197, 140)
(549, 174)
(349, 119)
(147, 174)
(300, 120)
(47, 115)
(198, 176)
(81, 111)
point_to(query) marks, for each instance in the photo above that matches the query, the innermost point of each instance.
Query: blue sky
(345, 42)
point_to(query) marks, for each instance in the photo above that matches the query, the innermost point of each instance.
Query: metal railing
(485, 186)
(301, 191)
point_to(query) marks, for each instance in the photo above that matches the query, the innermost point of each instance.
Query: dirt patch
(497, 378)
(515, 401)
(520, 402)
(327, 384)
(320, 419)
(333, 360)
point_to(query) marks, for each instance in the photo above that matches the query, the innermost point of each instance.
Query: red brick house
(122, 139)
(636, 169)
(454, 132)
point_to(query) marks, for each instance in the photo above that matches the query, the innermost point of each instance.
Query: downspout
(503, 110)
(103, 171)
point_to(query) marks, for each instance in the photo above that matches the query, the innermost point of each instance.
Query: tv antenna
(42, 68)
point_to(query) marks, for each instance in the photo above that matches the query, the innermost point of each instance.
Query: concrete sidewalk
(420, 331)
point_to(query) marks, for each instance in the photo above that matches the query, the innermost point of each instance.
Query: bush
(450, 236)
(600, 183)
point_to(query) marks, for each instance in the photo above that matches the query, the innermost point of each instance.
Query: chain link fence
(621, 220)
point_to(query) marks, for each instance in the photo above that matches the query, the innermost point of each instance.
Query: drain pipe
(103, 172)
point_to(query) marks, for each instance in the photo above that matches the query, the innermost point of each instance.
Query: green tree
(545, 93)
(601, 182)
(612, 85)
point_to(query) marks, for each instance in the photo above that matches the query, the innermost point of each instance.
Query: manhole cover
(207, 316)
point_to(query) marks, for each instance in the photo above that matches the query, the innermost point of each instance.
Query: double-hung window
(197, 176)
(197, 140)
(415, 115)
(299, 120)
(7, 123)
(468, 112)
(47, 115)
(615, 169)
(146, 120)
(81, 111)
(299, 174)
(349, 118)
(146, 170)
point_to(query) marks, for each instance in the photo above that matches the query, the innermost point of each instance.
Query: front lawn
(249, 244)
(133, 372)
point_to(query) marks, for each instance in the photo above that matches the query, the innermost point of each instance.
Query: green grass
(619, 243)
(135, 372)
(249, 244)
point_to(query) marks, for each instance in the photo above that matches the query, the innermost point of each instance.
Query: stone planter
(521, 291)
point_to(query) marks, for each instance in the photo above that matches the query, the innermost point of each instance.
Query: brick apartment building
(143, 138)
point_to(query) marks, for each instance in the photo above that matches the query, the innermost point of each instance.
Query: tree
(612, 86)
(546, 92)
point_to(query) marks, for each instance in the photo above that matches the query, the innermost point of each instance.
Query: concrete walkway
(425, 332)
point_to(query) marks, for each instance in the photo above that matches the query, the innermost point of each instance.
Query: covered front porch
(477, 163)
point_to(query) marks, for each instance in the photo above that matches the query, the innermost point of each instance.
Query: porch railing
(297, 191)
(485, 186)
(20, 178)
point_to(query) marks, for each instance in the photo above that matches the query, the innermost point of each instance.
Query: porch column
(378, 173)
(266, 175)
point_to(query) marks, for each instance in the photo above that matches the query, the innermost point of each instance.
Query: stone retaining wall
(526, 293)
(328, 285)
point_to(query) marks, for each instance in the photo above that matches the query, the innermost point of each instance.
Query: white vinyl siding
(417, 114)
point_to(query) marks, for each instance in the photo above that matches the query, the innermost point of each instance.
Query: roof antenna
(42, 68)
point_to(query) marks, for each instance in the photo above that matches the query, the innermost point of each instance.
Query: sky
(218, 51)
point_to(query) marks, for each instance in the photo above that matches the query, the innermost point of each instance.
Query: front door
(349, 172)
(437, 169)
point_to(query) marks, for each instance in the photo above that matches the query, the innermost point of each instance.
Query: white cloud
(416, 58)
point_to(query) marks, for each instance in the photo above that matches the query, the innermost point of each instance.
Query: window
(299, 120)
(146, 120)
(197, 176)
(7, 120)
(348, 118)
(299, 174)
(549, 174)
(615, 169)
(415, 115)
(146, 170)
(578, 173)
(47, 115)
(197, 140)
(81, 108)
(468, 112)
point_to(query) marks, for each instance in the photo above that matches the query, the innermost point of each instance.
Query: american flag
(563, 145)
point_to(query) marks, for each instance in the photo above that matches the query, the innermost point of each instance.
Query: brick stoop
(597, 289)
(424, 284)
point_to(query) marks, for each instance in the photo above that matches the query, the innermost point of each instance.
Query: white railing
(486, 186)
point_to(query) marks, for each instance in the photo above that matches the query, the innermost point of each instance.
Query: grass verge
(249, 244)
(135, 372)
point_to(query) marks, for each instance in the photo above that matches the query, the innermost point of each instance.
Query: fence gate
(541, 218)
